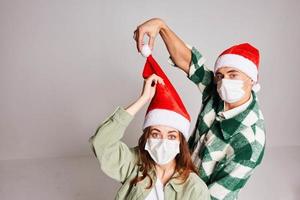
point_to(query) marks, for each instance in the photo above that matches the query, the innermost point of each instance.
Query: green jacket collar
(174, 182)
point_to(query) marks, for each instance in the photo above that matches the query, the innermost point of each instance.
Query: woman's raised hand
(148, 92)
(149, 87)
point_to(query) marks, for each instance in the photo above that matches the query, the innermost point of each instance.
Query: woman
(160, 167)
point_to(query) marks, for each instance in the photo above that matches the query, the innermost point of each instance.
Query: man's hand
(150, 28)
(177, 49)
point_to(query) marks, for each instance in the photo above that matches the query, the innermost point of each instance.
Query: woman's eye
(218, 77)
(154, 135)
(171, 137)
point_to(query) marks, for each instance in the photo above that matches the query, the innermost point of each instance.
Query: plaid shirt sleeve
(228, 178)
(231, 179)
(198, 72)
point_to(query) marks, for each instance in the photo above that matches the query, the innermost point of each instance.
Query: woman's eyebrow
(155, 129)
(172, 131)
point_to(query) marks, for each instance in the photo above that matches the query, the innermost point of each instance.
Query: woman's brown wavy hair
(184, 164)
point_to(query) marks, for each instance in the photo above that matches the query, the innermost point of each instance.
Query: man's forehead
(228, 70)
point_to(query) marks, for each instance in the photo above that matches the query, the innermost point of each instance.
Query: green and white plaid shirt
(226, 150)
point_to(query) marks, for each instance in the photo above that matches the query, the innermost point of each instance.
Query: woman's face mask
(162, 151)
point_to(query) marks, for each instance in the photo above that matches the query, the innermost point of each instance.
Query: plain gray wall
(66, 65)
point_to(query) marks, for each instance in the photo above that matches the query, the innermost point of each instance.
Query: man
(229, 139)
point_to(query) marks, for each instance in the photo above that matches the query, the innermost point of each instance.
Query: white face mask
(230, 90)
(162, 151)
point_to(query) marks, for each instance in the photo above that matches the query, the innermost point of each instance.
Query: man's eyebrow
(232, 71)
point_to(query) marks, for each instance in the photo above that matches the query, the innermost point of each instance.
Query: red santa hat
(244, 57)
(166, 107)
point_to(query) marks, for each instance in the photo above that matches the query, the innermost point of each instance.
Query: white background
(66, 65)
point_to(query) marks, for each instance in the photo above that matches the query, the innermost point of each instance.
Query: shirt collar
(233, 112)
(174, 182)
(234, 125)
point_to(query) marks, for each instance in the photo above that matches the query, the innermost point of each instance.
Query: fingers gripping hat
(244, 57)
(166, 107)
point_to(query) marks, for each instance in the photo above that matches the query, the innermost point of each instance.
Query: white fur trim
(167, 118)
(239, 62)
(146, 51)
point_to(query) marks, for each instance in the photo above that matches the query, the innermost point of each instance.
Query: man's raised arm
(179, 52)
(183, 56)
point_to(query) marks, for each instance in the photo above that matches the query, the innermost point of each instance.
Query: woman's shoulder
(199, 189)
(135, 150)
(195, 180)
(193, 188)
(135, 153)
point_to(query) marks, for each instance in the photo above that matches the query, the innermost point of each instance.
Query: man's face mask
(230, 91)
(162, 151)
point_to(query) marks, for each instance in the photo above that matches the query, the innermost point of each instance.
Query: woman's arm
(133, 108)
(117, 160)
(114, 156)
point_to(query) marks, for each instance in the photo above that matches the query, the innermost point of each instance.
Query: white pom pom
(146, 51)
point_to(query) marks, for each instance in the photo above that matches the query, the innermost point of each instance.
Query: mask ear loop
(256, 86)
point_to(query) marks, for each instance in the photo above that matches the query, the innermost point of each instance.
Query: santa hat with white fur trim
(244, 57)
(166, 107)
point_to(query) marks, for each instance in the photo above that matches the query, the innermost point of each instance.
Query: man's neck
(229, 106)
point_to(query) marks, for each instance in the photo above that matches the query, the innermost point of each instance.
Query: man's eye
(233, 75)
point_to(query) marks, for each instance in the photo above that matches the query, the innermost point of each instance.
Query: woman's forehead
(163, 128)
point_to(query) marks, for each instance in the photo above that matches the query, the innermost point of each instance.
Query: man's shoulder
(254, 121)
(252, 115)
(250, 143)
